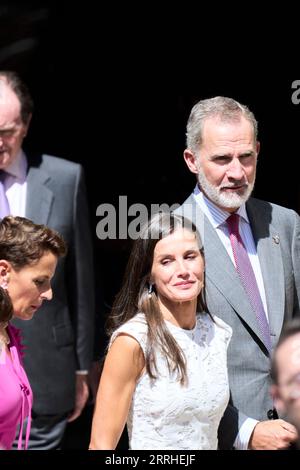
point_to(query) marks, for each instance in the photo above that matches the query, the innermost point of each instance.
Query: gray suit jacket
(59, 339)
(276, 231)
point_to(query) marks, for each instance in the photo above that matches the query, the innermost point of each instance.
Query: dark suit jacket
(59, 339)
(276, 231)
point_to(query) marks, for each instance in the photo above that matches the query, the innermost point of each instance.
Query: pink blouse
(15, 394)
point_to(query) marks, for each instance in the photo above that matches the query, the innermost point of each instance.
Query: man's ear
(257, 147)
(191, 161)
(278, 401)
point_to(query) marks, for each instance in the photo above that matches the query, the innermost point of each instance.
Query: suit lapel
(270, 259)
(39, 197)
(222, 273)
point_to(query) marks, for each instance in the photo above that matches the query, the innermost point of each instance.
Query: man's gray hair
(226, 109)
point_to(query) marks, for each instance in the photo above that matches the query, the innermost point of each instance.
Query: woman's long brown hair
(134, 298)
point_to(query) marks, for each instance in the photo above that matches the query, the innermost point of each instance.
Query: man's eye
(7, 133)
(222, 159)
(246, 157)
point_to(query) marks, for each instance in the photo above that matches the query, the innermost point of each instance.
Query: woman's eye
(39, 282)
(165, 261)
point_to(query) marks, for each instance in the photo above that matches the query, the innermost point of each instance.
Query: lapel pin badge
(276, 239)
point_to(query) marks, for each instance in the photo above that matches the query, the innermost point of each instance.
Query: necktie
(4, 205)
(247, 276)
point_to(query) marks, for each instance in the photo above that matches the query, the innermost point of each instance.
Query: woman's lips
(184, 284)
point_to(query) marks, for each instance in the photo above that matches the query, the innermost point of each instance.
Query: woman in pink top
(28, 258)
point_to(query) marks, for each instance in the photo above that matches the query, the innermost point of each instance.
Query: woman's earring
(4, 285)
(150, 290)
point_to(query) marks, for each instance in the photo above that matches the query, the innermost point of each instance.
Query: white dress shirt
(16, 185)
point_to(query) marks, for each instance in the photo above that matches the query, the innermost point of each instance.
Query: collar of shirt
(18, 168)
(215, 215)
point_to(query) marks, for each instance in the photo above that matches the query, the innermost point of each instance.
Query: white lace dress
(167, 415)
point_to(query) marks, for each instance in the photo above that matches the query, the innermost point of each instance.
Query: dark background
(113, 91)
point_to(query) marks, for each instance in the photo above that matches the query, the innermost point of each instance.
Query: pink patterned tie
(4, 206)
(247, 276)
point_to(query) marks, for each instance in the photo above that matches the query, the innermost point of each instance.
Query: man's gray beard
(227, 201)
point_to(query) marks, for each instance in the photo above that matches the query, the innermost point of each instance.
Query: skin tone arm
(123, 366)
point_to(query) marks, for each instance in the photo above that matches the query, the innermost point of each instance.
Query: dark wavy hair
(22, 242)
(134, 298)
(6, 307)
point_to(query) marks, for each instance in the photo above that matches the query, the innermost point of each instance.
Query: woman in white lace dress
(165, 372)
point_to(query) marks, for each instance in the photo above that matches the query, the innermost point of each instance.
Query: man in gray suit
(222, 150)
(59, 340)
